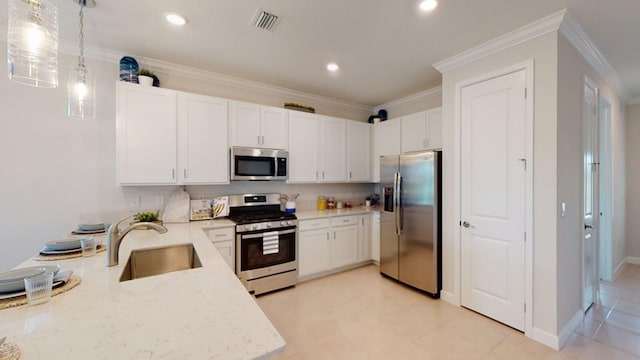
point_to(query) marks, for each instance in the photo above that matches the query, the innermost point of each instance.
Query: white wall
(543, 50)
(633, 179)
(59, 172)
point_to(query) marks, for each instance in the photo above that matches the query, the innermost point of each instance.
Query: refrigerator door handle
(396, 201)
(400, 206)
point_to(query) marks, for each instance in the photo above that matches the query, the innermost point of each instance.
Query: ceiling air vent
(265, 21)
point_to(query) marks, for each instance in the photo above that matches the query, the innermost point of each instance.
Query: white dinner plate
(62, 244)
(20, 274)
(13, 294)
(91, 227)
(46, 251)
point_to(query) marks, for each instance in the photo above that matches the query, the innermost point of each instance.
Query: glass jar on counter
(331, 203)
(322, 203)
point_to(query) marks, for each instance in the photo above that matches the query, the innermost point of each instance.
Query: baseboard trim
(448, 297)
(632, 260)
(618, 268)
(545, 338)
(569, 327)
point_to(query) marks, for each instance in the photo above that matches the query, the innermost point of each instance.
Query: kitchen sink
(160, 260)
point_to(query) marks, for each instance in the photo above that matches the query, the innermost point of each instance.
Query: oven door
(254, 260)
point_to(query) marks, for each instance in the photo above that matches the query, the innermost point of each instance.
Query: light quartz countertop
(315, 214)
(203, 313)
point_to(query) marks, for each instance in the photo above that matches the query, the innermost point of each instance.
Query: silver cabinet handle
(350, 175)
(185, 173)
(322, 175)
(316, 175)
(173, 174)
(466, 224)
(258, 139)
(262, 139)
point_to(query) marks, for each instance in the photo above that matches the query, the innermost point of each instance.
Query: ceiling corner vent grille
(265, 21)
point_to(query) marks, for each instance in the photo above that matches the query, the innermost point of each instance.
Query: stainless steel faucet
(115, 236)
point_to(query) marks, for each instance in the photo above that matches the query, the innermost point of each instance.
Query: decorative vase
(145, 80)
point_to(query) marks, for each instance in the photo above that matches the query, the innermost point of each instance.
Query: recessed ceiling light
(175, 18)
(332, 67)
(428, 5)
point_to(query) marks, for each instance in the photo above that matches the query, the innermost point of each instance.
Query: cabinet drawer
(222, 234)
(314, 224)
(345, 220)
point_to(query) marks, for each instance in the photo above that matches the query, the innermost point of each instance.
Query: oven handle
(254, 236)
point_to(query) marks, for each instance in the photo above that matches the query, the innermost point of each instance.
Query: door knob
(588, 226)
(466, 224)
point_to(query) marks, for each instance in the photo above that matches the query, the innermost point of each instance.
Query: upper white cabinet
(203, 155)
(303, 147)
(253, 125)
(422, 131)
(333, 149)
(386, 141)
(358, 151)
(145, 134)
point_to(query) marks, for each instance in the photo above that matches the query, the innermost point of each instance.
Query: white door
(493, 165)
(590, 198)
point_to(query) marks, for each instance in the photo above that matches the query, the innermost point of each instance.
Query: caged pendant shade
(80, 79)
(32, 43)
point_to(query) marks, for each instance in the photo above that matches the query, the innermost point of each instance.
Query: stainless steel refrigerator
(410, 234)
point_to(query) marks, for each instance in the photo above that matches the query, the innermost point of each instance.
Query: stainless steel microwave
(258, 164)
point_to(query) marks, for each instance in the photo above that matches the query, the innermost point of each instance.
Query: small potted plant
(147, 216)
(145, 77)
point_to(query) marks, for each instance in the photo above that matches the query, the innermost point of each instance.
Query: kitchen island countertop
(202, 313)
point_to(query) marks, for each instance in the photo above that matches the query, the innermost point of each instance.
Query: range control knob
(283, 223)
(289, 222)
(268, 225)
(251, 227)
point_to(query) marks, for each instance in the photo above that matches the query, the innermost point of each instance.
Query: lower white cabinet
(326, 244)
(223, 240)
(364, 238)
(375, 237)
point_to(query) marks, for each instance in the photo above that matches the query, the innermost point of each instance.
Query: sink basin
(160, 260)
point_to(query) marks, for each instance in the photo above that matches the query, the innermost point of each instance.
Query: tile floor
(360, 315)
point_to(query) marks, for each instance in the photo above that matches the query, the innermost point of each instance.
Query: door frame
(595, 231)
(528, 67)
(605, 268)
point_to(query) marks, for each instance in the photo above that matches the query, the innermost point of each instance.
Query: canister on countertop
(322, 203)
(331, 203)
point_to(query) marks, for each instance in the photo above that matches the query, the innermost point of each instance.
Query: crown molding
(422, 95)
(515, 37)
(634, 101)
(591, 53)
(159, 66)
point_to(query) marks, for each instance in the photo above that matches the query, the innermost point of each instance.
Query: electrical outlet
(133, 202)
(159, 201)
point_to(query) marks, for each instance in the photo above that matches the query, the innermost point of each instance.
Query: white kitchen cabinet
(303, 147)
(332, 150)
(375, 237)
(358, 151)
(146, 132)
(314, 251)
(258, 126)
(344, 247)
(364, 238)
(386, 141)
(203, 151)
(422, 131)
(223, 240)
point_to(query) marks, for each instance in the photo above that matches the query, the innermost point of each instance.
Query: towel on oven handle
(270, 242)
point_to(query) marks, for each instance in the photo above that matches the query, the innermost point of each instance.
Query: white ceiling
(385, 48)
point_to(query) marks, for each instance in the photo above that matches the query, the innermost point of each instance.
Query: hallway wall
(633, 178)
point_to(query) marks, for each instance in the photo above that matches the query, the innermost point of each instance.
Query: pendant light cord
(81, 57)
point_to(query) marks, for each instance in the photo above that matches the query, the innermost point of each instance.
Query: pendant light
(80, 79)
(32, 43)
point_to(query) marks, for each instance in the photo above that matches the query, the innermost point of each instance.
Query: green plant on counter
(145, 72)
(147, 216)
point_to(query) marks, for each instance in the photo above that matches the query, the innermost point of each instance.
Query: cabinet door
(226, 249)
(358, 151)
(375, 237)
(333, 149)
(203, 153)
(414, 132)
(364, 241)
(146, 134)
(434, 134)
(244, 124)
(314, 252)
(386, 141)
(344, 247)
(274, 128)
(303, 147)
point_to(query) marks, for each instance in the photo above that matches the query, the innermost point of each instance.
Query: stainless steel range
(266, 242)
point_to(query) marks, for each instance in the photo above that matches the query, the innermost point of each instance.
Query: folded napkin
(62, 277)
